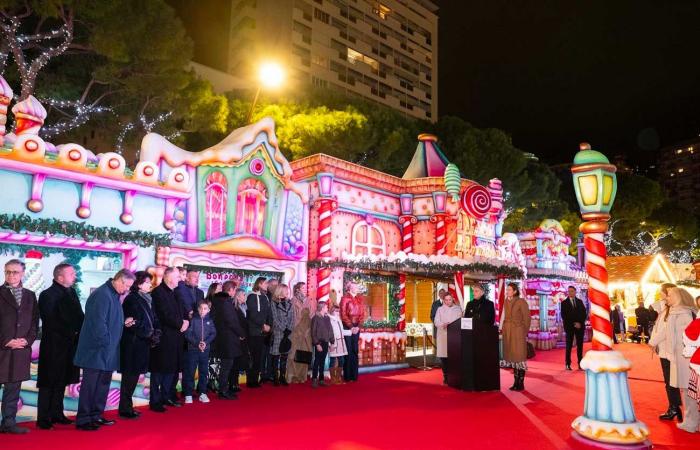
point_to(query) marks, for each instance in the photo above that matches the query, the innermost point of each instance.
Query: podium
(472, 356)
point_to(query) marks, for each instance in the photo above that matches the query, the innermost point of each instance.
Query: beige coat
(678, 320)
(516, 324)
(445, 315)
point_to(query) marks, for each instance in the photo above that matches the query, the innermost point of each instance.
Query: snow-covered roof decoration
(156, 148)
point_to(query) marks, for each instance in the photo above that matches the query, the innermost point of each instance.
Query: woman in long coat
(136, 341)
(229, 334)
(516, 324)
(445, 315)
(301, 340)
(679, 316)
(282, 324)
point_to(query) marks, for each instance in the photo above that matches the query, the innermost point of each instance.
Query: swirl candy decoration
(452, 181)
(476, 201)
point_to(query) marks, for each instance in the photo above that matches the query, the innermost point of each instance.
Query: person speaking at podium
(446, 314)
(480, 308)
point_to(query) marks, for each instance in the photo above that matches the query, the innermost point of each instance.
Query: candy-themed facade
(238, 210)
(550, 271)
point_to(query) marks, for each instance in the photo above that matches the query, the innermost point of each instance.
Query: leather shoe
(87, 427)
(44, 425)
(236, 389)
(157, 408)
(62, 420)
(138, 413)
(227, 396)
(173, 404)
(103, 421)
(128, 415)
(14, 429)
(568, 367)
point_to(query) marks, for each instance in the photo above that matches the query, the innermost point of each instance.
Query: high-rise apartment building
(384, 51)
(679, 173)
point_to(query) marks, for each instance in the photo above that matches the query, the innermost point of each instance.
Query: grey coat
(282, 319)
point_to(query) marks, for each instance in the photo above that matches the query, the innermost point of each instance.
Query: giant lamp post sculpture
(608, 415)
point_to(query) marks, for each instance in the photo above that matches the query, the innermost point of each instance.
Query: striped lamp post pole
(608, 418)
(406, 220)
(325, 205)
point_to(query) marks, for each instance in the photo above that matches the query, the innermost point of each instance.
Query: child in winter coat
(199, 337)
(321, 337)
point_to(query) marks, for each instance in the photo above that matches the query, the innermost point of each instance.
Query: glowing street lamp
(271, 76)
(608, 415)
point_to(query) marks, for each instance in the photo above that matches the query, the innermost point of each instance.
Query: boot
(283, 377)
(673, 412)
(692, 416)
(521, 380)
(337, 379)
(516, 373)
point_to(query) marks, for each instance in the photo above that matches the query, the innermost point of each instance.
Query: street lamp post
(270, 75)
(608, 418)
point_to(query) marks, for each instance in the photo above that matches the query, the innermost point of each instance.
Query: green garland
(23, 222)
(72, 256)
(429, 269)
(551, 276)
(394, 309)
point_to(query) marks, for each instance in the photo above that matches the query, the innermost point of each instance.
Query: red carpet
(403, 409)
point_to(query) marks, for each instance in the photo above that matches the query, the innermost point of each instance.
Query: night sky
(622, 75)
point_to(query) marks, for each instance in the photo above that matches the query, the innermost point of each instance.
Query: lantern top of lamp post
(587, 156)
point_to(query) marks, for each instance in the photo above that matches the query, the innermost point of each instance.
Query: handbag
(285, 342)
(530, 350)
(303, 357)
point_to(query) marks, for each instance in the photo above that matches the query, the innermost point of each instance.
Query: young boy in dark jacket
(321, 336)
(199, 337)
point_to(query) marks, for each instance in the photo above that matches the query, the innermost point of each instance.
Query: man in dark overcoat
(61, 320)
(98, 348)
(19, 319)
(167, 357)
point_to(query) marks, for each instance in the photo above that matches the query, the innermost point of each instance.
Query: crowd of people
(171, 330)
(272, 335)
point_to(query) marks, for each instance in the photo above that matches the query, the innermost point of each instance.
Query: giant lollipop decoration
(452, 181)
(476, 201)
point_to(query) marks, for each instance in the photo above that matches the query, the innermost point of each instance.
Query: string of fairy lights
(81, 113)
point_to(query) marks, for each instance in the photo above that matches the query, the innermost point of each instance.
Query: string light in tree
(83, 113)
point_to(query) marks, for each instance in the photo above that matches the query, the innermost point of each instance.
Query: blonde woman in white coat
(662, 345)
(339, 350)
(446, 314)
(679, 316)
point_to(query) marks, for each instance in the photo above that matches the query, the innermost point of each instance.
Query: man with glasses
(19, 319)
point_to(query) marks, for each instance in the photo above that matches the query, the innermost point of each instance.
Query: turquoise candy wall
(62, 198)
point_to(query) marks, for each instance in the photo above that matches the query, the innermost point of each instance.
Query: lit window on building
(680, 170)
(382, 11)
(354, 56)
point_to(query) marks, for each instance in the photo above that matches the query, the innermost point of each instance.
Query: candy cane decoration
(456, 288)
(598, 285)
(323, 278)
(440, 232)
(402, 302)
(407, 233)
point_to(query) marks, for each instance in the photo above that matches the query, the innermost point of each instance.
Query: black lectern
(472, 356)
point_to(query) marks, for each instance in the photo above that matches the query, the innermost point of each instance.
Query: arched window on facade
(216, 191)
(250, 209)
(367, 239)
